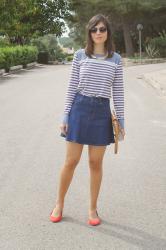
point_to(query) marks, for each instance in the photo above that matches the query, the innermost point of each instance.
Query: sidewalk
(157, 79)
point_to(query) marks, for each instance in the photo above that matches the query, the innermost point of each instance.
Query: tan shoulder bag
(117, 132)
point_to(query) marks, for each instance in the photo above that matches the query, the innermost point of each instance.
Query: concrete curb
(19, 68)
(157, 80)
(2, 71)
(16, 68)
(153, 83)
(31, 65)
(134, 62)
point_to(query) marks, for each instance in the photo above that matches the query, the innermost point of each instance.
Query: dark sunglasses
(101, 29)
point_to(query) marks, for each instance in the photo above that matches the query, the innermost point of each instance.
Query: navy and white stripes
(96, 77)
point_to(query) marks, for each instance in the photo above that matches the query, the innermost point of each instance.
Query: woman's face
(99, 33)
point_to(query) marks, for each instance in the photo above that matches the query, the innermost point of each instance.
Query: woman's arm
(118, 93)
(72, 87)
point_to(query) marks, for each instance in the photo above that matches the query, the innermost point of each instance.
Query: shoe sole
(55, 219)
(93, 223)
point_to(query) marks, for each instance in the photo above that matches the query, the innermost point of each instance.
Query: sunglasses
(101, 29)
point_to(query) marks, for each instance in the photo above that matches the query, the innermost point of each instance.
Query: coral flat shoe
(55, 219)
(94, 222)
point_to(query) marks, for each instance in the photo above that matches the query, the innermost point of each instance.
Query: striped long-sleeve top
(100, 78)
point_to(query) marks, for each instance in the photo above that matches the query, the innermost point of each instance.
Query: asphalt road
(132, 200)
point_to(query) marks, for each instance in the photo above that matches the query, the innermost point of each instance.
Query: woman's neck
(99, 49)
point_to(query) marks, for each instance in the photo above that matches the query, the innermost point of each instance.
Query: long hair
(108, 45)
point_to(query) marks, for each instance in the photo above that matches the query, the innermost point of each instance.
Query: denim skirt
(90, 121)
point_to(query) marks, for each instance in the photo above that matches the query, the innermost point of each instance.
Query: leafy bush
(9, 57)
(4, 41)
(12, 56)
(2, 59)
(29, 54)
(48, 47)
(160, 43)
(151, 51)
(69, 58)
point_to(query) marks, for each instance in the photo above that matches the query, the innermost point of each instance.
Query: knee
(71, 163)
(95, 164)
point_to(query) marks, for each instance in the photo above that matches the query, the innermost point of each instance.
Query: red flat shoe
(94, 222)
(55, 219)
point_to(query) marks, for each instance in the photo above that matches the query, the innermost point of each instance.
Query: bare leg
(96, 154)
(73, 154)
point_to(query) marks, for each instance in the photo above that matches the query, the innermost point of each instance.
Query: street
(132, 199)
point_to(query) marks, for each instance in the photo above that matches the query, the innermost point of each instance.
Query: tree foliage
(124, 16)
(32, 17)
(48, 43)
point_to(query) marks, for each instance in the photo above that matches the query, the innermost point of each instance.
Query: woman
(87, 114)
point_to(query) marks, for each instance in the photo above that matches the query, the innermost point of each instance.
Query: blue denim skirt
(90, 121)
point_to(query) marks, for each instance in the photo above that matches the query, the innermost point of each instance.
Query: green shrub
(2, 59)
(9, 57)
(4, 41)
(12, 56)
(49, 49)
(69, 58)
(160, 43)
(29, 54)
(151, 51)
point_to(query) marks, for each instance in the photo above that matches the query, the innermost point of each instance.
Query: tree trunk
(127, 39)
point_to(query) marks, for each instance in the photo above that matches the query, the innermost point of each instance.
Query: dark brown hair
(109, 46)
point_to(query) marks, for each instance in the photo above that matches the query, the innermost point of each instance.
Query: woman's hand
(122, 131)
(64, 128)
(122, 134)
